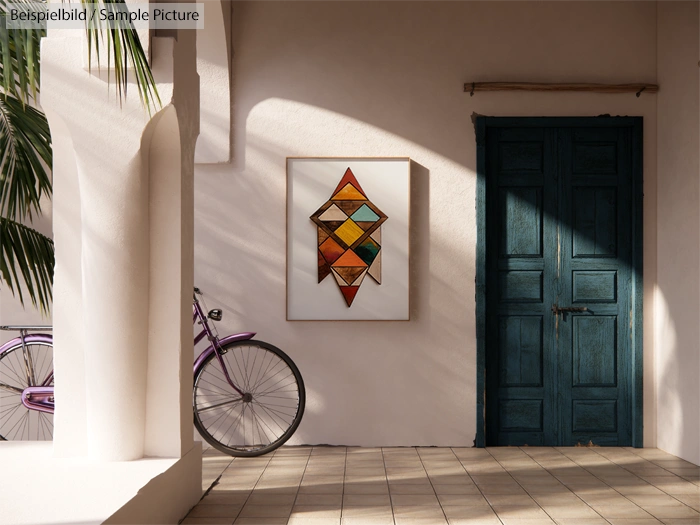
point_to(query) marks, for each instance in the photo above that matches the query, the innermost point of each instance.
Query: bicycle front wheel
(268, 412)
(22, 367)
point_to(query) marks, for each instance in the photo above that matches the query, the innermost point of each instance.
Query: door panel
(559, 233)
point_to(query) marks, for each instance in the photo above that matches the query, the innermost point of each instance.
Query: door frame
(636, 125)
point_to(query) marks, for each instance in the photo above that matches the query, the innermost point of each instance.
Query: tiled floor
(455, 486)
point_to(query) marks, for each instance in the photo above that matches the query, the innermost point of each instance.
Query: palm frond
(123, 49)
(25, 141)
(26, 253)
(25, 156)
(19, 55)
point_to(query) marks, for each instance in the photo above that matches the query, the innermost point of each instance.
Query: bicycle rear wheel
(266, 415)
(17, 422)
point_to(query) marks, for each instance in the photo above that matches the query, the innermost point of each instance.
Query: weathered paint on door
(562, 281)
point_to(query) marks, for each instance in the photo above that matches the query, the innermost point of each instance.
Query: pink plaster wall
(385, 79)
(678, 291)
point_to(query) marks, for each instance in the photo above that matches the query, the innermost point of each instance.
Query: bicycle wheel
(266, 415)
(17, 422)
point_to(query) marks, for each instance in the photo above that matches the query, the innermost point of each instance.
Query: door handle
(556, 309)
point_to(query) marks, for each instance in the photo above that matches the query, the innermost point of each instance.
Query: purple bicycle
(248, 396)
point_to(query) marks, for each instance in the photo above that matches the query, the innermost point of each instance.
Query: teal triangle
(365, 214)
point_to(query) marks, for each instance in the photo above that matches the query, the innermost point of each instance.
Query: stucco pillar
(111, 153)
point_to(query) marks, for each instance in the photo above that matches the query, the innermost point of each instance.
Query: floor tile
(371, 500)
(215, 511)
(368, 520)
(456, 489)
(263, 498)
(571, 511)
(206, 521)
(261, 521)
(314, 521)
(265, 511)
(621, 511)
(367, 488)
(514, 511)
(411, 488)
(367, 511)
(420, 521)
(462, 499)
(474, 521)
(471, 512)
(319, 499)
(634, 521)
(526, 521)
(556, 499)
(418, 512)
(398, 500)
(225, 498)
(677, 511)
(316, 511)
(511, 499)
(581, 521)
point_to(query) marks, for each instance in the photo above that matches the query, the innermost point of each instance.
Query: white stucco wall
(678, 290)
(385, 79)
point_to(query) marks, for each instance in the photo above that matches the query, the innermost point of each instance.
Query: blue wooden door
(562, 281)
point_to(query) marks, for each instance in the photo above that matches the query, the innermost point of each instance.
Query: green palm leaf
(32, 253)
(25, 154)
(25, 142)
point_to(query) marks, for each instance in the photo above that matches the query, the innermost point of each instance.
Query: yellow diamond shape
(349, 232)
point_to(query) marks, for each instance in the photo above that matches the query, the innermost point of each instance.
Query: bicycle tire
(228, 421)
(17, 422)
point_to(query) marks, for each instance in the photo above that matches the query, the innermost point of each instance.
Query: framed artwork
(347, 239)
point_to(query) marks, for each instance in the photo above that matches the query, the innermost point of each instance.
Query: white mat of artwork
(310, 184)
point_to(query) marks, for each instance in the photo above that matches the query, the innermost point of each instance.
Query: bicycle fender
(243, 336)
(31, 338)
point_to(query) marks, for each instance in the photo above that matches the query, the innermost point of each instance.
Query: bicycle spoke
(265, 416)
(16, 420)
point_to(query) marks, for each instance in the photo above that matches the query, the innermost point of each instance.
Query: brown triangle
(350, 273)
(349, 292)
(333, 225)
(365, 225)
(323, 269)
(322, 236)
(349, 178)
(350, 207)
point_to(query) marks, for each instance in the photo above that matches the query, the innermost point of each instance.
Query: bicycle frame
(41, 397)
(198, 316)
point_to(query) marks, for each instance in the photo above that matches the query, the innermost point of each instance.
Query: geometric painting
(347, 242)
(349, 237)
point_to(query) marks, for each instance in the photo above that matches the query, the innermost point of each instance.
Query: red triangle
(349, 292)
(349, 178)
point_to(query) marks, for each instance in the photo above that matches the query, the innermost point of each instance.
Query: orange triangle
(349, 292)
(349, 178)
(349, 258)
(348, 193)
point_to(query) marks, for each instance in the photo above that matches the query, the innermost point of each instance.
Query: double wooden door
(562, 281)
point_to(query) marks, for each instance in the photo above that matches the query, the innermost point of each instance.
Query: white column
(107, 406)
